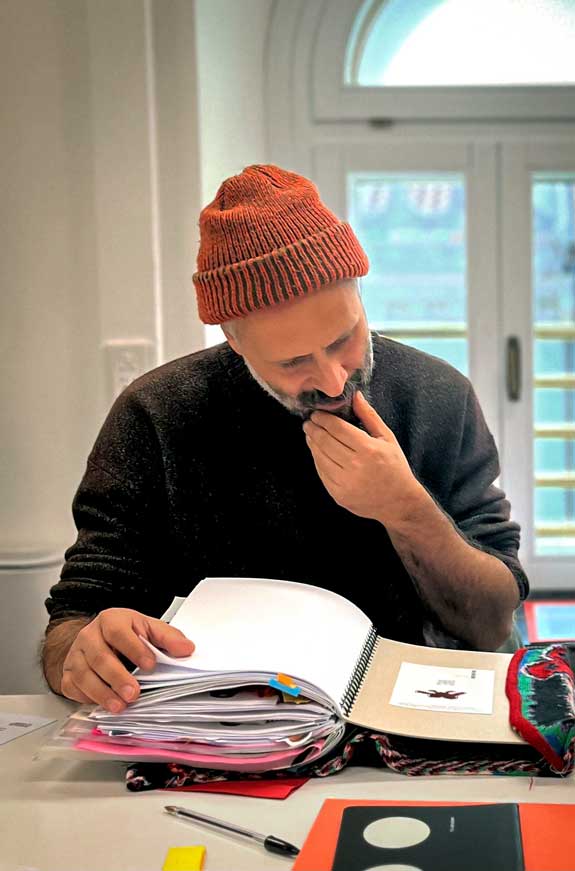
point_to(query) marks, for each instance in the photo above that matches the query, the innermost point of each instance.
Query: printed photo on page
(458, 690)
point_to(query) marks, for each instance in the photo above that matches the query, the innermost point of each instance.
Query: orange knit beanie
(265, 239)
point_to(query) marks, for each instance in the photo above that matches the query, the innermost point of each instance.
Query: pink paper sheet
(268, 762)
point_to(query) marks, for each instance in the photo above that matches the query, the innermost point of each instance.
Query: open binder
(327, 645)
(279, 670)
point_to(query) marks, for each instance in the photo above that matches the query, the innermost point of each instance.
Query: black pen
(270, 842)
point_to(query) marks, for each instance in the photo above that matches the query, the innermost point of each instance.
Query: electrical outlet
(126, 359)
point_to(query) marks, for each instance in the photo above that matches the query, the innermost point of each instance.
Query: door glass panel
(553, 267)
(413, 230)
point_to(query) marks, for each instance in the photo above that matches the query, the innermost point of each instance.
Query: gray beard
(303, 408)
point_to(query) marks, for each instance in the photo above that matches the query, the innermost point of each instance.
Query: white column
(51, 386)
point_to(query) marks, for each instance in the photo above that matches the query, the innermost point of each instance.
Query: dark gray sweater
(198, 472)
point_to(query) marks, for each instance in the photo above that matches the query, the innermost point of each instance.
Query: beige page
(373, 710)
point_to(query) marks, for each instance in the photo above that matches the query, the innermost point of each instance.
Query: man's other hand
(365, 472)
(92, 670)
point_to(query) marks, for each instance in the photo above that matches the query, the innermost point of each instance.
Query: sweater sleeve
(118, 559)
(477, 506)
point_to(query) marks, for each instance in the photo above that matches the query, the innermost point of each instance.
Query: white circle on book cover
(394, 867)
(395, 833)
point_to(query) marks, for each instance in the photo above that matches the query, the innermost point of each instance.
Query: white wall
(101, 195)
(119, 120)
(52, 387)
(49, 292)
(178, 124)
(231, 40)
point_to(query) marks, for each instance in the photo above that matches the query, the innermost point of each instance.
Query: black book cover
(450, 838)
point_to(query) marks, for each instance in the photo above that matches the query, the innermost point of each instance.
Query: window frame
(333, 100)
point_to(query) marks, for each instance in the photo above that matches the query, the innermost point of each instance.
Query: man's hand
(91, 670)
(367, 473)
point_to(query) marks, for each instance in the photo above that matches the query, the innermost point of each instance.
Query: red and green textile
(541, 691)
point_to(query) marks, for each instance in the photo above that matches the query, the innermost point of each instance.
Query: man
(363, 465)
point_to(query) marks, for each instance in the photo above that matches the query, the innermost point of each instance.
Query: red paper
(281, 788)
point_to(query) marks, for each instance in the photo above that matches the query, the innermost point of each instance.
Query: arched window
(434, 59)
(462, 42)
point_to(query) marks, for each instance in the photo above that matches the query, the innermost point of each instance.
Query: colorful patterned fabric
(541, 691)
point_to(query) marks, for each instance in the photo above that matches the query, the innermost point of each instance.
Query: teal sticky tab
(284, 688)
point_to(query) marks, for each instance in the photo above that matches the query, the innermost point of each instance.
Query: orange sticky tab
(285, 684)
(184, 859)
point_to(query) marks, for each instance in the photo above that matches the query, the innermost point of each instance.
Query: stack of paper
(249, 729)
(200, 711)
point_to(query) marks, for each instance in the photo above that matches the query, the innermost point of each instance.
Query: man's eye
(339, 343)
(291, 364)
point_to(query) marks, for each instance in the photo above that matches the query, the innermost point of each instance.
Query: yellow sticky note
(184, 859)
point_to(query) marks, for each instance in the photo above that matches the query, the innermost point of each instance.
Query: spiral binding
(358, 674)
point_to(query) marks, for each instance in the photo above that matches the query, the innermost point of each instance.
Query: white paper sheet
(313, 635)
(177, 602)
(457, 690)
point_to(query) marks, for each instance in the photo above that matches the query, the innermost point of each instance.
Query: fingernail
(128, 692)
(148, 662)
(114, 706)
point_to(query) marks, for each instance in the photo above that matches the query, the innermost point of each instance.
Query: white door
(538, 314)
(448, 226)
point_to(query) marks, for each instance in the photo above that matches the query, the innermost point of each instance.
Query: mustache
(313, 398)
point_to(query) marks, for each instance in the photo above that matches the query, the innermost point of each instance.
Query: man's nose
(330, 378)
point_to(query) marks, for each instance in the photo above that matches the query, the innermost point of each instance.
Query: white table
(60, 815)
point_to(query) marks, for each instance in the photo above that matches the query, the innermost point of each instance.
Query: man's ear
(230, 334)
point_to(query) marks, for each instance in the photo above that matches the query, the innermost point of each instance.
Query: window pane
(551, 455)
(553, 215)
(554, 406)
(413, 230)
(553, 546)
(452, 350)
(554, 356)
(450, 42)
(550, 504)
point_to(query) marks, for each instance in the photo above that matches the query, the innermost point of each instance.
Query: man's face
(310, 354)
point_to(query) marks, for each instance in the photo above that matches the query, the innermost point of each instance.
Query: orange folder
(547, 833)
